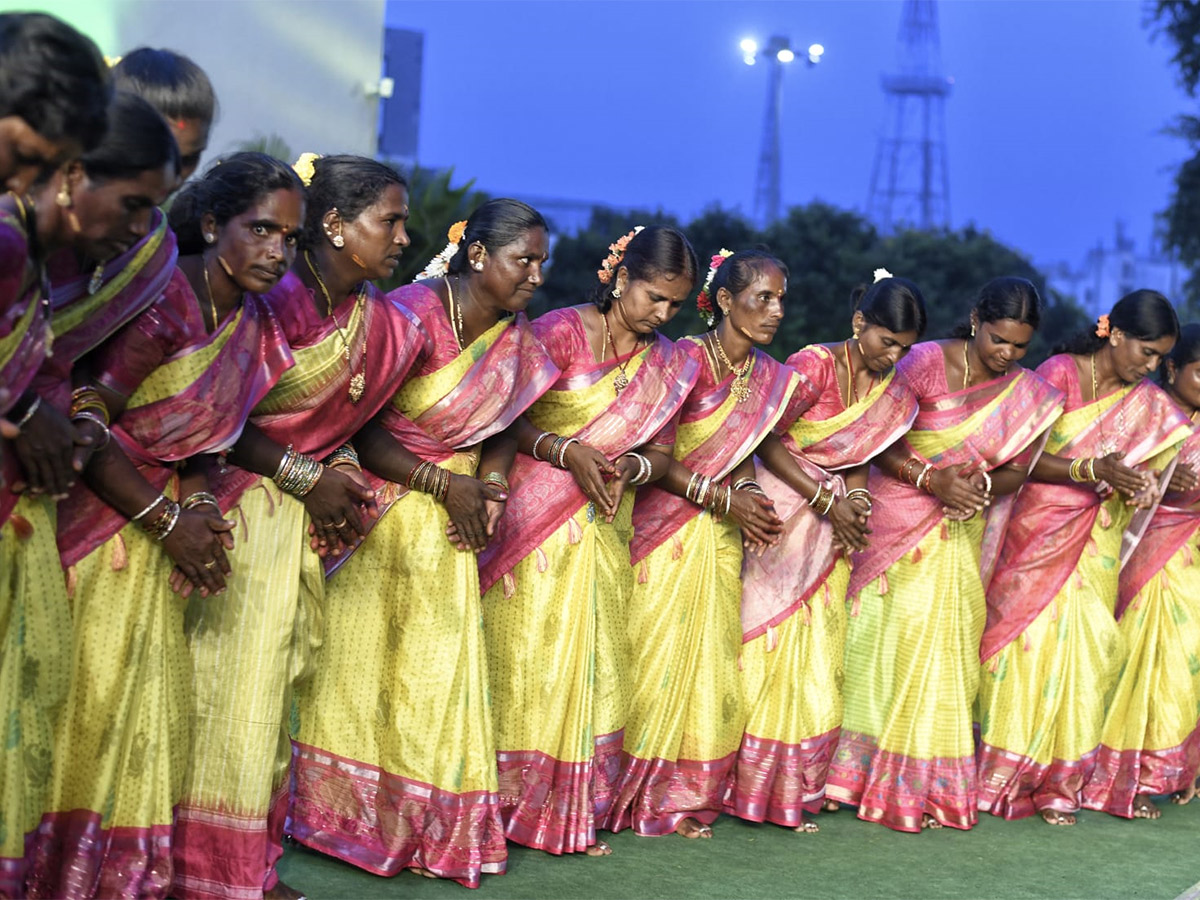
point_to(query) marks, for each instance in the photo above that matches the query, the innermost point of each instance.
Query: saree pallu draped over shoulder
(394, 759)
(793, 615)
(250, 650)
(687, 714)
(35, 633)
(557, 584)
(123, 740)
(1051, 651)
(917, 606)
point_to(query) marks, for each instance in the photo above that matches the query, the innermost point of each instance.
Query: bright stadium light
(815, 52)
(785, 55)
(749, 46)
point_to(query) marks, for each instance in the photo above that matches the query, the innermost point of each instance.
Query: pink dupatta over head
(1051, 523)
(658, 514)
(983, 426)
(544, 497)
(776, 584)
(197, 401)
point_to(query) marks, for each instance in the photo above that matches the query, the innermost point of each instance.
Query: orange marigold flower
(456, 231)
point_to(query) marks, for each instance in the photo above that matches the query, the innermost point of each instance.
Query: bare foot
(1183, 797)
(830, 806)
(282, 891)
(599, 849)
(1054, 817)
(1144, 809)
(693, 828)
(807, 826)
(929, 823)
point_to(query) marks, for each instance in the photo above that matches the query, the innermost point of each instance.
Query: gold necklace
(456, 319)
(622, 380)
(208, 286)
(741, 383)
(966, 366)
(358, 382)
(1107, 444)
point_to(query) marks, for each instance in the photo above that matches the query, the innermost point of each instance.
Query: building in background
(1109, 273)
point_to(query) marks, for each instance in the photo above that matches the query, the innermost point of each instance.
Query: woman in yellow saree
(1052, 650)
(793, 594)
(1150, 741)
(394, 760)
(905, 757)
(178, 381)
(556, 576)
(687, 716)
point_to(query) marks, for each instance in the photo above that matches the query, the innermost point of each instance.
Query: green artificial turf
(1101, 857)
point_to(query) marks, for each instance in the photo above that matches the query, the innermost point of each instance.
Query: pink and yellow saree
(793, 610)
(1051, 651)
(557, 582)
(917, 606)
(687, 716)
(394, 761)
(249, 649)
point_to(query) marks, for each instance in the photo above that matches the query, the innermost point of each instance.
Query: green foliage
(829, 252)
(1179, 22)
(270, 144)
(433, 207)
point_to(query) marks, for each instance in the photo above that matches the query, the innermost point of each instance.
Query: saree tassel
(22, 527)
(72, 582)
(1164, 580)
(806, 614)
(643, 572)
(883, 584)
(993, 665)
(510, 585)
(574, 532)
(945, 532)
(855, 605)
(1188, 558)
(120, 554)
(1025, 644)
(1091, 547)
(1053, 612)
(676, 547)
(270, 499)
(245, 525)
(917, 554)
(1105, 517)
(542, 563)
(772, 638)
(1078, 580)
(828, 595)
(741, 663)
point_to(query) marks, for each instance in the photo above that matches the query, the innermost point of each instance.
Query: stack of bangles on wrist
(496, 480)
(201, 498)
(297, 474)
(1083, 470)
(86, 403)
(164, 523)
(557, 455)
(749, 484)
(645, 469)
(344, 455)
(921, 481)
(709, 493)
(429, 478)
(822, 500)
(861, 494)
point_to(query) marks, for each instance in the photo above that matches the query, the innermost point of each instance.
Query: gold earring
(338, 241)
(972, 329)
(477, 266)
(63, 197)
(1170, 378)
(616, 294)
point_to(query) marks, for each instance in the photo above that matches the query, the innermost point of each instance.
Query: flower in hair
(440, 264)
(881, 274)
(703, 300)
(305, 167)
(112, 61)
(1102, 329)
(616, 252)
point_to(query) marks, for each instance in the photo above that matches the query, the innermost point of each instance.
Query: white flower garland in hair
(881, 274)
(440, 264)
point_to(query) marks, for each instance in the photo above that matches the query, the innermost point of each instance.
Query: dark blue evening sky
(1054, 128)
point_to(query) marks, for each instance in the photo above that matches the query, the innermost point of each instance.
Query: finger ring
(211, 564)
(340, 524)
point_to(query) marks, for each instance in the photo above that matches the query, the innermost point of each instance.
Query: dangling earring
(1170, 378)
(337, 240)
(972, 329)
(616, 293)
(224, 265)
(63, 197)
(477, 266)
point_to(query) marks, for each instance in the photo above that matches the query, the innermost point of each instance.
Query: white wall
(294, 68)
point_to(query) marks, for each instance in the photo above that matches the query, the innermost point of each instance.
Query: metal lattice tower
(767, 184)
(910, 181)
